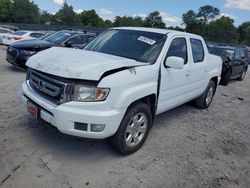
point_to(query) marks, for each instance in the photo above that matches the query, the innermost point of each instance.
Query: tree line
(206, 21)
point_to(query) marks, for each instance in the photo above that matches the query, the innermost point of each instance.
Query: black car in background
(19, 52)
(234, 59)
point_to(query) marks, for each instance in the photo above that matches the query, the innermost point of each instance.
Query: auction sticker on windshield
(146, 40)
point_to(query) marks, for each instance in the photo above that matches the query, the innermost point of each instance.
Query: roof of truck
(154, 30)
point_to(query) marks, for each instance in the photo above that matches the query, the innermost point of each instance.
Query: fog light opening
(97, 127)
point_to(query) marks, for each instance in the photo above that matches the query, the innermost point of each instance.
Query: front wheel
(206, 98)
(133, 129)
(243, 75)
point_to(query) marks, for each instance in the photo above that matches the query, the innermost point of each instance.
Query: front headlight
(90, 94)
(26, 52)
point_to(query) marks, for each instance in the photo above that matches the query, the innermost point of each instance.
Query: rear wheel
(133, 129)
(243, 75)
(206, 98)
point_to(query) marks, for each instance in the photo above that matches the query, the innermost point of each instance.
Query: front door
(174, 86)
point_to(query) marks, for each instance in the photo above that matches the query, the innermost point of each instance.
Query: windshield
(138, 45)
(58, 37)
(19, 33)
(45, 36)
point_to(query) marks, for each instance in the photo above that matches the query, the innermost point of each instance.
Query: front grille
(12, 54)
(47, 87)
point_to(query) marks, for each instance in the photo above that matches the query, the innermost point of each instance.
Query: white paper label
(146, 40)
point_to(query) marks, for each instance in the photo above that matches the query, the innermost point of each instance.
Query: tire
(206, 98)
(128, 138)
(226, 78)
(243, 75)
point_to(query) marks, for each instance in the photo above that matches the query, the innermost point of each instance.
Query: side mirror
(174, 62)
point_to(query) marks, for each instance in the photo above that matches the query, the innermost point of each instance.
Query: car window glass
(19, 33)
(141, 46)
(3, 31)
(79, 39)
(178, 48)
(89, 38)
(237, 54)
(242, 53)
(197, 50)
(36, 35)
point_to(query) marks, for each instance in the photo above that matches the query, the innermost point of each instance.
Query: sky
(171, 10)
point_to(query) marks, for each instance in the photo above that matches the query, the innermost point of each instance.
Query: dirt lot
(187, 147)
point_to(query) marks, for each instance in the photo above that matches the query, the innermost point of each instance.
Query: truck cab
(117, 84)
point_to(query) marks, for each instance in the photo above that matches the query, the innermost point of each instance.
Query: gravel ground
(187, 147)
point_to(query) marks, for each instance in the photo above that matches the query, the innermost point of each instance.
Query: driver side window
(178, 48)
(76, 40)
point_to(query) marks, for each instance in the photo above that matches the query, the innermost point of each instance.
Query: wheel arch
(150, 100)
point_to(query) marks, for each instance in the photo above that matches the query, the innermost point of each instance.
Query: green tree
(207, 13)
(128, 21)
(223, 30)
(91, 18)
(5, 10)
(176, 28)
(66, 15)
(46, 17)
(24, 11)
(154, 19)
(244, 33)
(192, 24)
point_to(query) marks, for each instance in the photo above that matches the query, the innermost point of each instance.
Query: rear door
(174, 85)
(237, 63)
(199, 67)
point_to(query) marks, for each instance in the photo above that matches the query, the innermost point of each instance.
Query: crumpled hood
(77, 63)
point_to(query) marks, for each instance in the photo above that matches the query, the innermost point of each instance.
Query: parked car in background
(4, 31)
(119, 82)
(234, 59)
(20, 35)
(248, 55)
(19, 52)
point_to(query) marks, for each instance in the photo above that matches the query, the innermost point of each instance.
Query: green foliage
(5, 10)
(176, 28)
(192, 23)
(128, 21)
(24, 11)
(223, 30)
(66, 15)
(154, 19)
(90, 18)
(207, 13)
(244, 33)
(46, 17)
(204, 22)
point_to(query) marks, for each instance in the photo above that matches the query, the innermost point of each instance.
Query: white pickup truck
(119, 82)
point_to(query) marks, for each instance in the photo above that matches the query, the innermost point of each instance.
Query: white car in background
(4, 31)
(20, 35)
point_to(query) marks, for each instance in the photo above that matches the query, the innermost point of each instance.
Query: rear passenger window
(178, 48)
(36, 35)
(3, 31)
(237, 54)
(242, 53)
(197, 50)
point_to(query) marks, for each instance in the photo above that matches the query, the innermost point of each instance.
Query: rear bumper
(64, 116)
